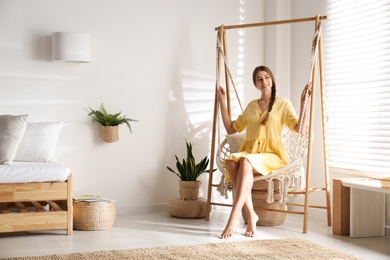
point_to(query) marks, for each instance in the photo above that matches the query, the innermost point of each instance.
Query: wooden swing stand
(306, 192)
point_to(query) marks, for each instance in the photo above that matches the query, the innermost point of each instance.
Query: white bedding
(20, 172)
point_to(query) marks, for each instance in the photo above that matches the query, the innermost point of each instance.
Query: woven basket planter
(93, 215)
(110, 134)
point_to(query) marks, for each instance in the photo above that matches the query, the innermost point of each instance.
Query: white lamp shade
(71, 47)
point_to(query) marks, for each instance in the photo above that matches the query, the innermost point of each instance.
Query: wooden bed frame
(36, 206)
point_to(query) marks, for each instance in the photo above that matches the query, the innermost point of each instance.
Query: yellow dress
(263, 146)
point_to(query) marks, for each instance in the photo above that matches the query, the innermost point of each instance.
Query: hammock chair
(292, 180)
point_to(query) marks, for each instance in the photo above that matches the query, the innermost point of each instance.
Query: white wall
(301, 41)
(154, 61)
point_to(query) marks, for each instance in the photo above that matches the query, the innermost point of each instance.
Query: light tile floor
(159, 229)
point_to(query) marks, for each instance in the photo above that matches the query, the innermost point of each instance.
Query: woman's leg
(232, 167)
(252, 217)
(242, 180)
(247, 183)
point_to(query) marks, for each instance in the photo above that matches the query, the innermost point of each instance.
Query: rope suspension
(219, 48)
(307, 100)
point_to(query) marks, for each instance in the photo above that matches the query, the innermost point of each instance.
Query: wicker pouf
(93, 215)
(263, 185)
(267, 218)
(187, 208)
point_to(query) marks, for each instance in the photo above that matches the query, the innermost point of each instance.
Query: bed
(42, 202)
(35, 191)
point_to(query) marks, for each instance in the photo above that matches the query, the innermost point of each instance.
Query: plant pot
(189, 190)
(110, 134)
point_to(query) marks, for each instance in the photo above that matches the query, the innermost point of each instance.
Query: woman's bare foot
(251, 226)
(230, 228)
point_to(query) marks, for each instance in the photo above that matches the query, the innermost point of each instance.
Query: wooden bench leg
(341, 208)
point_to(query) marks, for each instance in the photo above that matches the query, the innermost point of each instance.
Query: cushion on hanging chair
(235, 141)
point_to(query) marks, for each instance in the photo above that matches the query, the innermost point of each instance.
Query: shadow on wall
(192, 109)
(198, 95)
(38, 47)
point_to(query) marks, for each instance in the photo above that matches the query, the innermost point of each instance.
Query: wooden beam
(240, 26)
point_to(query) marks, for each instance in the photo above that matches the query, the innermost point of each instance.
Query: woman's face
(263, 80)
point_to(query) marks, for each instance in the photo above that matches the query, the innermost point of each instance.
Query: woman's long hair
(273, 89)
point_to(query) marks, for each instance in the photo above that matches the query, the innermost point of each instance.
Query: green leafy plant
(188, 169)
(105, 119)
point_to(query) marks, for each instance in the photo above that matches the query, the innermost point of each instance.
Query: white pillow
(39, 142)
(235, 141)
(12, 128)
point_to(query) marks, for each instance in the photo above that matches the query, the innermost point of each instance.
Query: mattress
(22, 172)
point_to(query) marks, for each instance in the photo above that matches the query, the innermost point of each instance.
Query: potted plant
(188, 172)
(110, 123)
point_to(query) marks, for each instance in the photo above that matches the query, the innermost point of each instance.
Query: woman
(263, 150)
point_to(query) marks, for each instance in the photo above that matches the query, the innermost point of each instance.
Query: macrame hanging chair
(292, 176)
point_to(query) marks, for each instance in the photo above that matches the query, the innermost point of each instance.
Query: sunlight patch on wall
(241, 42)
(198, 99)
(240, 63)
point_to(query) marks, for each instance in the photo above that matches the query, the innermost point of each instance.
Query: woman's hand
(300, 127)
(227, 121)
(221, 94)
(307, 90)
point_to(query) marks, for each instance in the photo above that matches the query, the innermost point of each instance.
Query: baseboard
(320, 214)
(145, 209)
(140, 209)
(316, 213)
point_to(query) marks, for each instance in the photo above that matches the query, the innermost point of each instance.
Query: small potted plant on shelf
(188, 172)
(110, 123)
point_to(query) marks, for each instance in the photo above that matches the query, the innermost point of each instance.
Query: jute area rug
(257, 249)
